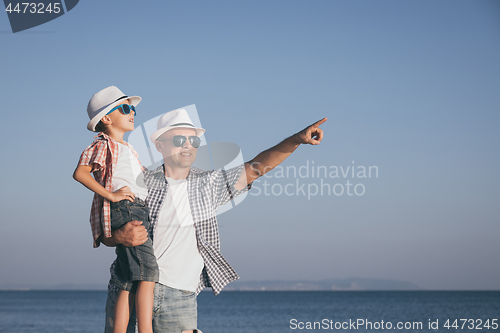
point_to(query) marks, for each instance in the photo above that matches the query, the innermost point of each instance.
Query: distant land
(352, 283)
(66, 286)
(348, 284)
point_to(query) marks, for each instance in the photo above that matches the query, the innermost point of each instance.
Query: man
(183, 202)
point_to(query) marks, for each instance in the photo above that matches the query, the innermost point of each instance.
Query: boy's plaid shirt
(102, 156)
(207, 191)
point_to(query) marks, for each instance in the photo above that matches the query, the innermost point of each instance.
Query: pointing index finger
(319, 122)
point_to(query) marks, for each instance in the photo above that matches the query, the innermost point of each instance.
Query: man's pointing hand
(312, 134)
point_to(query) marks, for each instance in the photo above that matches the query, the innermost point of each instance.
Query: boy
(117, 200)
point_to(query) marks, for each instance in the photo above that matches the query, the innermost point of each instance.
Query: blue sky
(412, 87)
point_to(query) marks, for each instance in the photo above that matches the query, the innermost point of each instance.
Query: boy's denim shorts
(136, 263)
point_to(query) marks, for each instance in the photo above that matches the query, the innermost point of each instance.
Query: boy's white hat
(174, 119)
(103, 101)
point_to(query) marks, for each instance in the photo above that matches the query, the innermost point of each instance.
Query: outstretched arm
(271, 158)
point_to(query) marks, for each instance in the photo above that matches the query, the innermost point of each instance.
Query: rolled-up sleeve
(95, 155)
(223, 182)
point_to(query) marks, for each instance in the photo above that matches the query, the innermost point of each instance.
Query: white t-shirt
(175, 245)
(126, 171)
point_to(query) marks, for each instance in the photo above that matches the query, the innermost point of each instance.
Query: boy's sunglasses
(180, 140)
(125, 109)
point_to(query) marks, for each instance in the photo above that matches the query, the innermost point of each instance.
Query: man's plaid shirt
(207, 191)
(102, 156)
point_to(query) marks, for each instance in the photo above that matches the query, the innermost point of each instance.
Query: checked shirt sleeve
(223, 185)
(95, 155)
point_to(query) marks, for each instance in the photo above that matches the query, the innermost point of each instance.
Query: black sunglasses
(180, 140)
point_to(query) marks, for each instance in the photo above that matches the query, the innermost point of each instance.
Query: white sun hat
(174, 119)
(103, 101)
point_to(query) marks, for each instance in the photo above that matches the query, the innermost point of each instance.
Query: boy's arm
(133, 233)
(82, 175)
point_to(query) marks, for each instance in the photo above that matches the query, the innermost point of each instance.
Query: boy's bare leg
(144, 306)
(123, 307)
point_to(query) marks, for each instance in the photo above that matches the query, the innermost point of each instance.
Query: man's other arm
(133, 233)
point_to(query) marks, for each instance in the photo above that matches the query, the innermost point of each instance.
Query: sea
(40, 311)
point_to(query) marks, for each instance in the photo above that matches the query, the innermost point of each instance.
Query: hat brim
(134, 100)
(158, 133)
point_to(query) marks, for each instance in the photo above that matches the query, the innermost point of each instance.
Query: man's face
(177, 157)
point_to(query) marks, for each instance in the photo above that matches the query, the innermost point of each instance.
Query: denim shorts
(174, 310)
(136, 263)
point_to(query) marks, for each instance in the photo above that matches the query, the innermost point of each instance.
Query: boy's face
(120, 121)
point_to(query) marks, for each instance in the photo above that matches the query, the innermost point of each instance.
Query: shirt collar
(103, 135)
(159, 170)
(106, 137)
